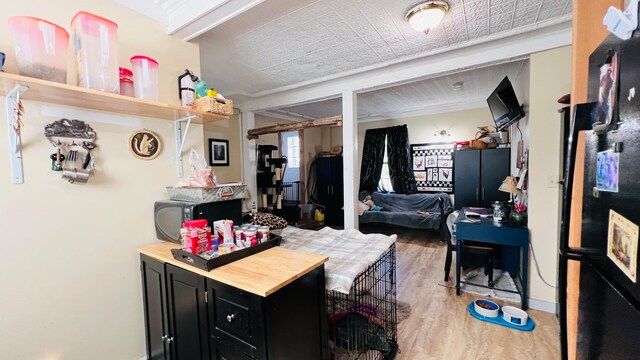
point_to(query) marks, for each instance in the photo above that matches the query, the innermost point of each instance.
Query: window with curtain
(386, 161)
(385, 177)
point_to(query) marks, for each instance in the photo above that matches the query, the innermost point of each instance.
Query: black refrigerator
(608, 294)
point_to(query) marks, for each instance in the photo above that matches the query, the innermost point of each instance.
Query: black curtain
(399, 154)
(372, 159)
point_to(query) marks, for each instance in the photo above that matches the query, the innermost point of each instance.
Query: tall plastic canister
(96, 50)
(41, 48)
(145, 77)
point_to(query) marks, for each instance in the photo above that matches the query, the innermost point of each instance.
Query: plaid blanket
(350, 252)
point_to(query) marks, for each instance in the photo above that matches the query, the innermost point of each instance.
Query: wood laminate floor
(439, 326)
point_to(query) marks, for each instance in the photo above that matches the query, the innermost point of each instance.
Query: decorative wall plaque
(145, 144)
(433, 166)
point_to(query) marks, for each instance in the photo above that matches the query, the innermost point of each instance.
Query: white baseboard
(542, 305)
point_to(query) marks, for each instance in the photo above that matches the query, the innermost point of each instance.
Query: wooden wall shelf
(63, 94)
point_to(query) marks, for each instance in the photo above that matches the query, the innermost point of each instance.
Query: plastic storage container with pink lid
(126, 82)
(145, 77)
(96, 49)
(41, 48)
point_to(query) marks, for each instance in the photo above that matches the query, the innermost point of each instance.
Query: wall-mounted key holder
(72, 129)
(73, 156)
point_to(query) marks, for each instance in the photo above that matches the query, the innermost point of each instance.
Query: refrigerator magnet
(607, 170)
(607, 91)
(622, 244)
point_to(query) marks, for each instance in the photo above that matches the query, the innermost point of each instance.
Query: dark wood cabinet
(221, 351)
(188, 336)
(175, 312)
(466, 178)
(330, 188)
(235, 319)
(155, 312)
(189, 316)
(478, 175)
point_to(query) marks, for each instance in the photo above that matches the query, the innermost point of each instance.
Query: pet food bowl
(514, 316)
(486, 308)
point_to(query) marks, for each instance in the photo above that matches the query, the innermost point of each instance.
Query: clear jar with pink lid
(126, 82)
(145, 77)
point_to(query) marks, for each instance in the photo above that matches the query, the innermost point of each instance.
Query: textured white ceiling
(285, 42)
(187, 19)
(434, 95)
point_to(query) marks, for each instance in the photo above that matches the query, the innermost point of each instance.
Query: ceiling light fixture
(427, 15)
(442, 133)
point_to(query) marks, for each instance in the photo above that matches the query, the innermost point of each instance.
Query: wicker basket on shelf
(213, 105)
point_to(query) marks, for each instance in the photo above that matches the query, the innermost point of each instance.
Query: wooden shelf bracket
(180, 139)
(15, 141)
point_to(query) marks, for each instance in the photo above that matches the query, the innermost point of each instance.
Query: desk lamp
(509, 185)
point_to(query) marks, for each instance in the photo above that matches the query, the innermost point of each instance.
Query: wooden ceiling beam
(331, 121)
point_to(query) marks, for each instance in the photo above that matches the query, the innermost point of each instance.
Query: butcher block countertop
(262, 274)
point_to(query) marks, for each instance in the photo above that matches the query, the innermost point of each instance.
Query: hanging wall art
(144, 144)
(73, 140)
(433, 166)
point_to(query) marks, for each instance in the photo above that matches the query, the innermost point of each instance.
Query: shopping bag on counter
(202, 175)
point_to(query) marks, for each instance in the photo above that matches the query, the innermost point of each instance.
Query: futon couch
(402, 210)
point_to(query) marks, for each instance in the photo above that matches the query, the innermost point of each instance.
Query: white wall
(462, 125)
(227, 130)
(268, 139)
(550, 79)
(522, 89)
(69, 270)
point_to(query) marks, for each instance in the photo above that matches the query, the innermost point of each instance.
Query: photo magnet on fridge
(622, 244)
(607, 91)
(607, 171)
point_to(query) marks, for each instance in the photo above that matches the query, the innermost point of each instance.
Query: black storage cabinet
(175, 312)
(190, 317)
(330, 188)
(478, 175)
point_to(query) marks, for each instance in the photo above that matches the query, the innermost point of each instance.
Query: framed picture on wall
(438, 163)
(218, 152)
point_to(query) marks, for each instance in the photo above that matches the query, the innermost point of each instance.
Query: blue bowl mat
(500, 321)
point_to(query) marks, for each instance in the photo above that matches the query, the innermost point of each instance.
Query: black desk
(514, 244)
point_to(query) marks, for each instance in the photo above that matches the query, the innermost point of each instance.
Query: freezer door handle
(581, 252)
(572, 256)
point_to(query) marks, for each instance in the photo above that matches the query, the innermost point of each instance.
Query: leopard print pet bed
(265, 219)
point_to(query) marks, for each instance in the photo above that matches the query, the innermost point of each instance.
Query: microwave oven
(169, 215)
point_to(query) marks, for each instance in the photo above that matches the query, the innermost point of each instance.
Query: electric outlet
(552, 181)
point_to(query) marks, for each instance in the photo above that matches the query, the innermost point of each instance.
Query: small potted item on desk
(519, 215)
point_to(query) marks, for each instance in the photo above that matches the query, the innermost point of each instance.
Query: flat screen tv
(504, 105)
